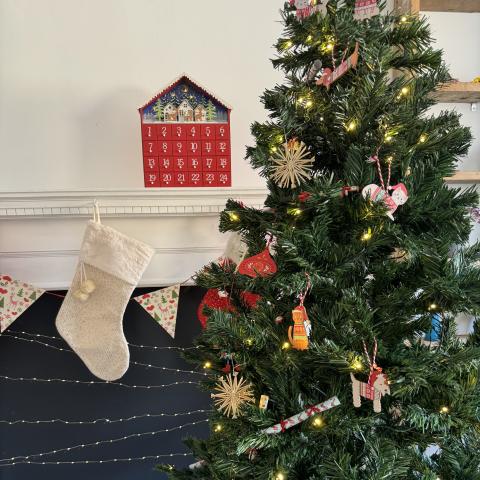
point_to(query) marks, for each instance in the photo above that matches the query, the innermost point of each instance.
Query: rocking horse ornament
(377, 385)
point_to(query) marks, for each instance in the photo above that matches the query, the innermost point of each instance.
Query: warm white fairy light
(93, 382)
(108, 460)
(101, 442)
(153, 347)
(132, 362)
(104, 419)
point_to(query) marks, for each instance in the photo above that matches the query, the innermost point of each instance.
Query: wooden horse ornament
(376, 387)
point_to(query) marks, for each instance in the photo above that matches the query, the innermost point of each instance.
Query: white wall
(73, 74)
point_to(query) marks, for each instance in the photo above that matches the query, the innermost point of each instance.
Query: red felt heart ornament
(261, 265)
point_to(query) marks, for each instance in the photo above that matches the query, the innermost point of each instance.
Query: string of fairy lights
(109, 460)
(99, 442)
(37, 458)
(132, 362)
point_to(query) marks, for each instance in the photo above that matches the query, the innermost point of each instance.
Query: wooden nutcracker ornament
(376, 387)
(186, 137)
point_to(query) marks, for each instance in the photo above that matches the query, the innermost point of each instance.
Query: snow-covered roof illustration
(184, 78)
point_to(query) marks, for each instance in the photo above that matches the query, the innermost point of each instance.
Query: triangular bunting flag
(15, 298)
(162, 305)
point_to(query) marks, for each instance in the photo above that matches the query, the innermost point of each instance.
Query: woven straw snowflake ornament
(233, 394)
(292, 164)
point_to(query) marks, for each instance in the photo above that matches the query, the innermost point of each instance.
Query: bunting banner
(162, 305)
(15, 298)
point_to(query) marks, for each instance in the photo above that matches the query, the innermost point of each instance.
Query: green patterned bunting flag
(162, 305)
(15, 298)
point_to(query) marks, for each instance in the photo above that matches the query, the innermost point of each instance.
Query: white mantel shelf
(125, 203)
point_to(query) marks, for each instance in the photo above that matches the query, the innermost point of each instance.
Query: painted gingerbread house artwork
(186, 137)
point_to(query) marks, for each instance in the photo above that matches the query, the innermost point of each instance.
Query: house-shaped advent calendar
(186, 138)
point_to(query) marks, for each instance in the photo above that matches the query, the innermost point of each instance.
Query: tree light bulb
(207, 365)
(403, 19)
(249, 341)
(404, 90)
(295, 211)
(280, 138)
(285, 345)
(217, 428)
(273, 149)
(318, 422)
(309, 38)
(233, 217)
(351, 126)
(357, 365)
(423, 138)
(308, 103)
(366, 235)
(432, 306)
(329, 47)
(288, 44)
(388, 138)
(444, 409)
(280, 476)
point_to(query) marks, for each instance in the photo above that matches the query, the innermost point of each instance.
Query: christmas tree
(369, 247)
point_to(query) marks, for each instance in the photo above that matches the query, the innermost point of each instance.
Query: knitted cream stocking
(90, 319)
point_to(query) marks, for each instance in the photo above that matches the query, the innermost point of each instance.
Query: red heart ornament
(261, 265)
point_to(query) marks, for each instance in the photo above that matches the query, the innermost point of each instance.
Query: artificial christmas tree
(366, 123)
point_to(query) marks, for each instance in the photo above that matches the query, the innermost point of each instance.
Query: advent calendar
(186, 138)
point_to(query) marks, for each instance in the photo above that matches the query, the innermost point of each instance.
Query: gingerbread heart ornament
(260, 265)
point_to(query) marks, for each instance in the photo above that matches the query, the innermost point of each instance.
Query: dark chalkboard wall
(37, 401)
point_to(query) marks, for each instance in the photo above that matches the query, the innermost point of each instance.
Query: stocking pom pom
(82, 296)
(88, 286)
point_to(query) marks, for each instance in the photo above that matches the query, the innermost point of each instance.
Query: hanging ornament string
(103, 419)
(375, 158)
(100, 442)
(371, 362)
(109, 460)
(308, 287)
(153, 347)
(132, 362)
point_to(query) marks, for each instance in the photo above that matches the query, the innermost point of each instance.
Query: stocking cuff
(115, 253)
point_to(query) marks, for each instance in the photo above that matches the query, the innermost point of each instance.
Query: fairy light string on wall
(153, 347)
(104, 419)
(100, 442)
(94, 382)
(132, 362)
(110, 460)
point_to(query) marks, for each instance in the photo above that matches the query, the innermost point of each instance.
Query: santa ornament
(376, 387)
(376, 193)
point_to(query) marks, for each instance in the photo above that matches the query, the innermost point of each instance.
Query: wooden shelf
(465, 6)
(458, 92)
(464, 177)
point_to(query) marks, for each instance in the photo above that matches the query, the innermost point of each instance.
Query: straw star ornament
(292, 164)
(233, 394)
